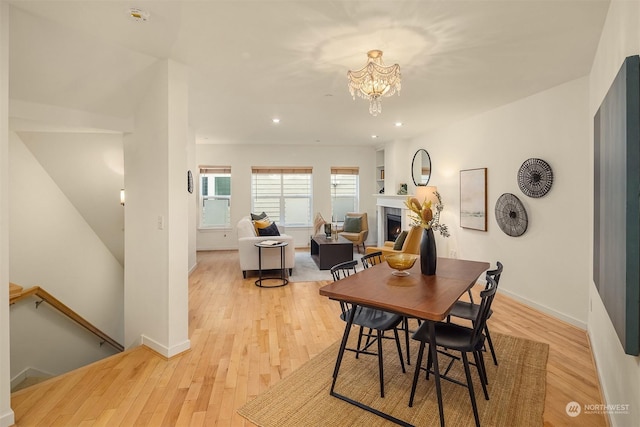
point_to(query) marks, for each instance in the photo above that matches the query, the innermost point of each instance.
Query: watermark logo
(573, 409)
(610, 408)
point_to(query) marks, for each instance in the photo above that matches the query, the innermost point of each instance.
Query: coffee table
(327, 252)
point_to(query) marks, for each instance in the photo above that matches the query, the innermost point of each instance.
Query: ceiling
(251, 61)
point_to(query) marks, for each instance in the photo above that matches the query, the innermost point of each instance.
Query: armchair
(357, 237)
(411, 244)
(248, 252)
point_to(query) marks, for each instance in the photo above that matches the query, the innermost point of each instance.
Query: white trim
(575, 322)
(7, 419)
(163, 350)
(28, 373)
(192, 269)
(601, 378)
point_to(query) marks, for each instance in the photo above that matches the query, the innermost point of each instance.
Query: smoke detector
(138, 15)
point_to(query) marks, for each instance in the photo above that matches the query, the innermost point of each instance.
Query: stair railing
(16, 294)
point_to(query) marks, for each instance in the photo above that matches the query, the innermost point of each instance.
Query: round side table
(283, 274)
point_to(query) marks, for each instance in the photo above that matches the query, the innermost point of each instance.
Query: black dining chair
(469, 310)
(463, 339)
(377, 321)
(372, 259)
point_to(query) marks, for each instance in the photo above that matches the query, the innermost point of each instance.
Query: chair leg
(484, 367)
(359, 341)
(395, 333)
(480, 366)
(405, 320)
(472, 395)
(482, 374)
(493, 352)
(380, 367)
(429, 363)
(416, 373)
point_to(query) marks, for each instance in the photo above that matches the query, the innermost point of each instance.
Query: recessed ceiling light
(275, 120)
(139, 15)
(374, 136)
(398, 124)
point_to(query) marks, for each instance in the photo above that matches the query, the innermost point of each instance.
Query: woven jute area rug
(516, 390)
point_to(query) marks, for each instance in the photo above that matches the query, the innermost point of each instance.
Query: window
(344, 191)
(282, 193)
(215, 196)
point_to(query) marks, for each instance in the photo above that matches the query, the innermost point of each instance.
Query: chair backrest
(487, 296)
(495, 273)
(412, 242)
(364, 223)
(344, 269)
(371, 259)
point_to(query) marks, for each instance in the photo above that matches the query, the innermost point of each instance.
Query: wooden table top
(416, 295)
(321, 239)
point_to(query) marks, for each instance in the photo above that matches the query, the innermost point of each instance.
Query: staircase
(29, 375)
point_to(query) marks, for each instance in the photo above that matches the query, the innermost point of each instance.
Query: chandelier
(374, 80)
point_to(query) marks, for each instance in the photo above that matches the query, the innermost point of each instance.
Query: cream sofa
(248, 252)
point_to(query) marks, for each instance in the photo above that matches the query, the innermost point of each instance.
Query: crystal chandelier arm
(374, 81)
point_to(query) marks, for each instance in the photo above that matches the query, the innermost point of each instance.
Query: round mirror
(421, 167)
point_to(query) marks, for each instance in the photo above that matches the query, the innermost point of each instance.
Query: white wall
(547, 267)
(96, 160)
(242, 157)
(156, 223)
(52, 246)
(619, 373)
(6, 414)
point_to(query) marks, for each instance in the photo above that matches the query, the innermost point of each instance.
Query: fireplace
(393, 225)
(394, 206)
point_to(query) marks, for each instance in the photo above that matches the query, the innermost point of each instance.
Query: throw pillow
(271, 230)
(261, 223)
(352, 224)
(397, 245)
(255, 217)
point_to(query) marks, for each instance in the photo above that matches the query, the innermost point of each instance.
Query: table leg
(436, 370)
(260, 265)
(282, 266)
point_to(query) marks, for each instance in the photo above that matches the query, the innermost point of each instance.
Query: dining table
(425, 297)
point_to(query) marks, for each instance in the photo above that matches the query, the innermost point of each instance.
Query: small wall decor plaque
(511, 215)
(189, 181)
(535, 177)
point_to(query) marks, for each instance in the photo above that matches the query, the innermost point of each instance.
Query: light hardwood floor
(245, 339)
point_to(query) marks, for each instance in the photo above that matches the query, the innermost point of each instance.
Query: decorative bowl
(401, 262)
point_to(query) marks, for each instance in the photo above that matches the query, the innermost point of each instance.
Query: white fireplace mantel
(390, 201)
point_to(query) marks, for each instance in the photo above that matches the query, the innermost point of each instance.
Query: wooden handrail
(62, 308)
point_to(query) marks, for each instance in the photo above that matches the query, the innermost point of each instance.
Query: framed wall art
(473, 199)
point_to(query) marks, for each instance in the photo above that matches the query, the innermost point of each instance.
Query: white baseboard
(7, 419)
(192, 269)
(28, 373)
(165, 351)
(545, 309)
